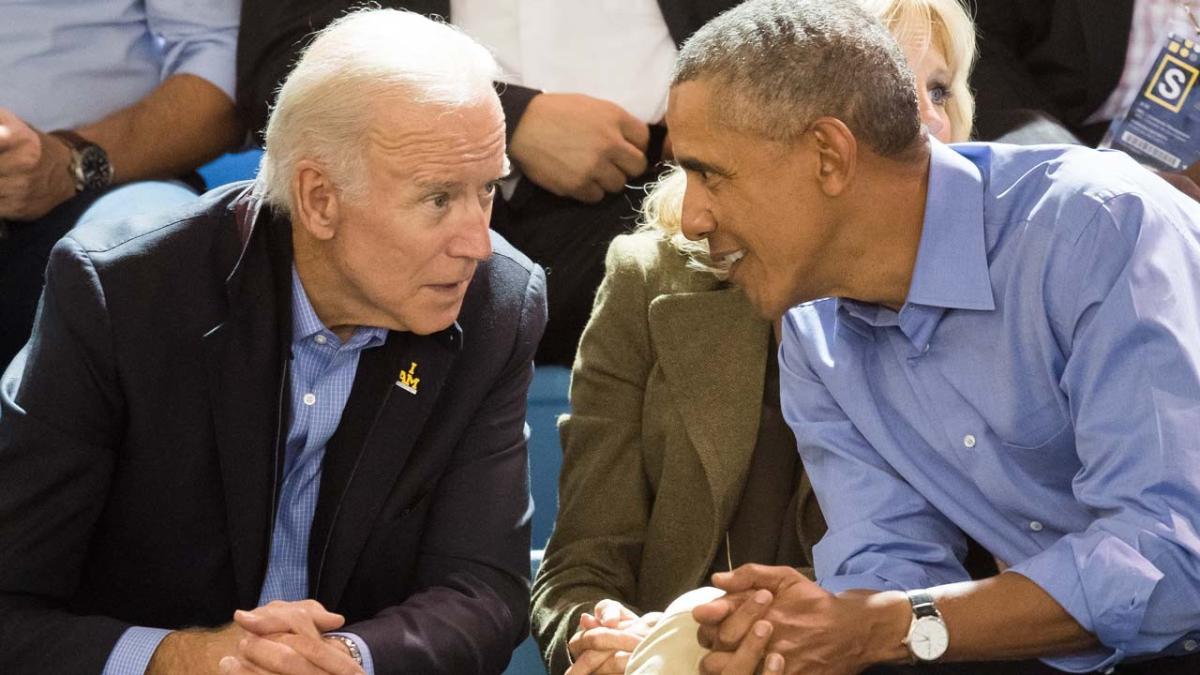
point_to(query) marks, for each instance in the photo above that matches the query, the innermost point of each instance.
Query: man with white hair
(283, 431)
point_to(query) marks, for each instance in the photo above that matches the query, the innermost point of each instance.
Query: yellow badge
(408, 380)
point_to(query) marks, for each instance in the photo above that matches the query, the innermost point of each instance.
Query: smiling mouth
(723, 263)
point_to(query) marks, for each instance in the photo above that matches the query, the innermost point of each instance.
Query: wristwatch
(89, 163)
(928, 637)
(351, 646)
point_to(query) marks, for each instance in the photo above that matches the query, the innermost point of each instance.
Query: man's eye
(440, 200)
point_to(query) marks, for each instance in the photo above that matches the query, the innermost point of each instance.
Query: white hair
(325, 105)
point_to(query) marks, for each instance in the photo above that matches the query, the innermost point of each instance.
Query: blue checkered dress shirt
(323, 369)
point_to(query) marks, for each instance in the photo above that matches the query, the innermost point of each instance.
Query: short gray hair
(325, 105)
(781, 64)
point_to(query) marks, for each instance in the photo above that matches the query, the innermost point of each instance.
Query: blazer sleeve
(474, 561)
(604, 499)
(59, 403)
(273, 32)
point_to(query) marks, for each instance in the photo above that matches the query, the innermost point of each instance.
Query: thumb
(634, 130)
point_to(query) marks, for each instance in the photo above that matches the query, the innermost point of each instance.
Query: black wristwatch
(89, 163)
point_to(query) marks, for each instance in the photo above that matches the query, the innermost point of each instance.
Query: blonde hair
(325, 106)
(945, 25)
(952, 31)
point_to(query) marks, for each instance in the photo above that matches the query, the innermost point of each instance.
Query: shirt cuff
(214, 61)
(1104, 584)
(363, 650)
(133, 651)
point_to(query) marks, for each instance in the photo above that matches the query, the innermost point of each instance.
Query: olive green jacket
(666, 397)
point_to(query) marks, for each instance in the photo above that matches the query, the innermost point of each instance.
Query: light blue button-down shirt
(1039, 391)
(64, 63)
(322, 374)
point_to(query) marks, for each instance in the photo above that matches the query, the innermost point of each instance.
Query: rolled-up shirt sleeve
(198, 38)
(883, 535)
(1133, 379)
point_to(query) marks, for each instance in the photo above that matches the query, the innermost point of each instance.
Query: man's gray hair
(369, 56)
(778, 65)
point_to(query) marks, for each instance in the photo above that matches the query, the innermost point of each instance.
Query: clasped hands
(284, 638)
(776, 620)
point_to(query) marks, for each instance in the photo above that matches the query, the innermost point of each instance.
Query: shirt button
(969, 440)
(310, 398)
(320, 339)
(1190, 645)
(1035, 526)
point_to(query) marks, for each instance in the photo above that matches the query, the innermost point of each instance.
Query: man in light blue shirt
(1008, 349)
(98, 94)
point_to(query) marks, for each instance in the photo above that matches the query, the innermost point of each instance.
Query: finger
(587, 621)
(275, 657)
(607, 639)
(634, 130)
(615, 664)
(610, 612)
(733, 630)
(629, 159)
(322, 653)
(591, 193)
(587, 663)
(750, 652)
(303, 618)
(753, 575)
(609, 177)
(713, 613)
(232, 665)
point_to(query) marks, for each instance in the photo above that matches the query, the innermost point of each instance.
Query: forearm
(1006, 617)
(182, 124)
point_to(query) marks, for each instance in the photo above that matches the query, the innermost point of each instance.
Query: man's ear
(316, 200)
(837, 154)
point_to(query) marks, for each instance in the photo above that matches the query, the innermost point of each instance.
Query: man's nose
(697, 221)
(474, 239)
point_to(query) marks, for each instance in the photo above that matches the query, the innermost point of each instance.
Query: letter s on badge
(1172, 83)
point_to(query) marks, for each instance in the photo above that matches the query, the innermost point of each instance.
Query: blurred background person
(99, 94)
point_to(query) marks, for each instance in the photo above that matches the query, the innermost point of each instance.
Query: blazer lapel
(244, 357)
(394, 391)
(713, 351)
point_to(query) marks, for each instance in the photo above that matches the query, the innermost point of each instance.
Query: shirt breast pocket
(1044, 451)
(1034, 427)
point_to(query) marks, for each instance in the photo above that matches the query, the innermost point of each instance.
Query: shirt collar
(951, 271)
(306, 324)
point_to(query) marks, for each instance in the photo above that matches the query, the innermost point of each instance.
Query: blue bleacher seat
(547, 400)
(231, 167)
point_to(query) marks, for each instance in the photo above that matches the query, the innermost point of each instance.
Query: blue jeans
(25, 248)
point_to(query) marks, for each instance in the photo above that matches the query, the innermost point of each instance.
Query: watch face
(928, 638)
(94, 170)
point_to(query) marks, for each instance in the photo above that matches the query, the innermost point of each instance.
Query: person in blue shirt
(106, 109)
(990, 340)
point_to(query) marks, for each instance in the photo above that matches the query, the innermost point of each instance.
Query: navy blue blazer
(141, 437)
